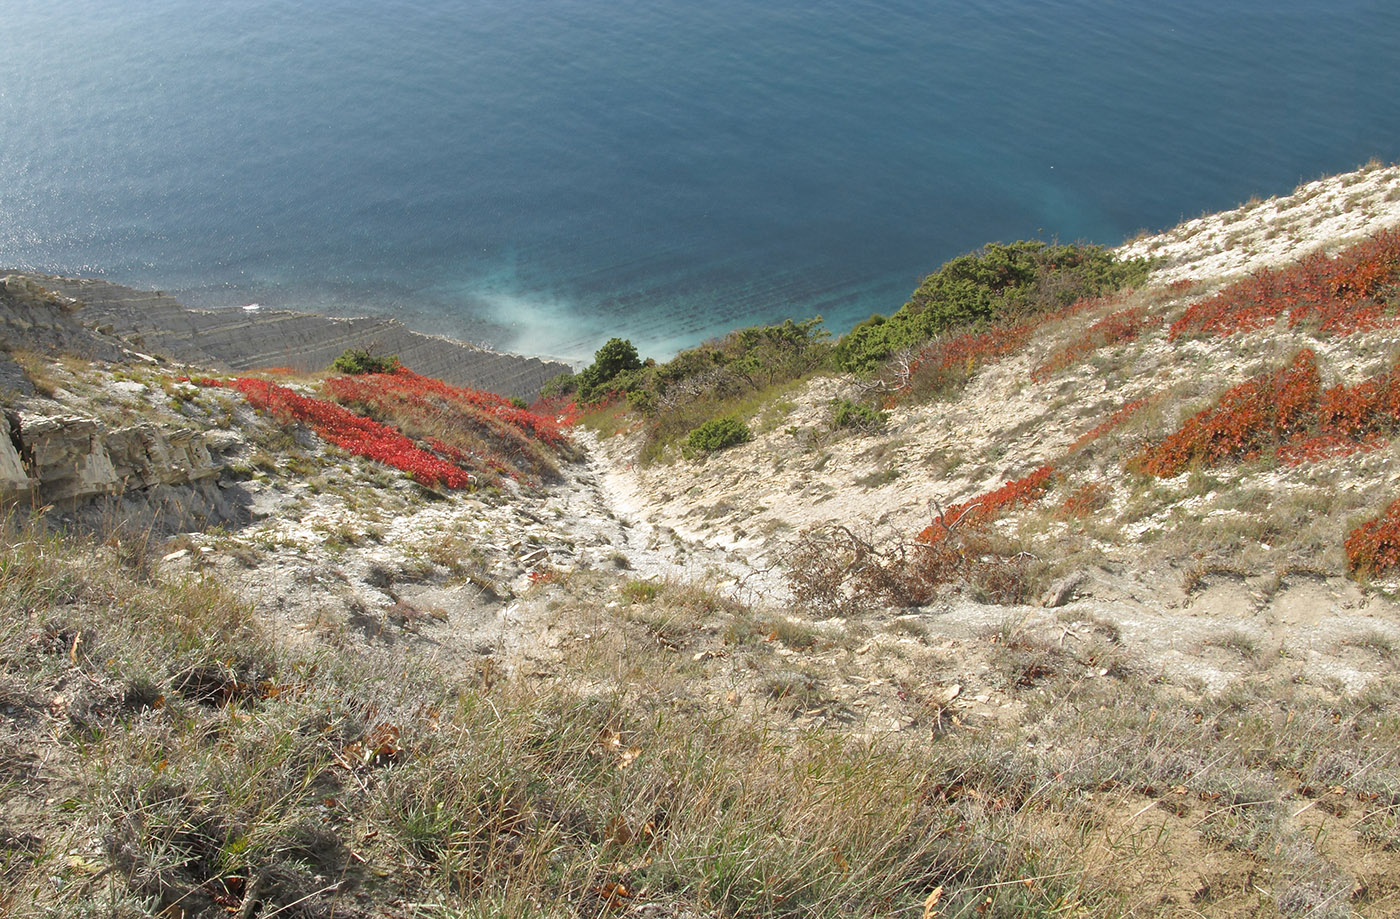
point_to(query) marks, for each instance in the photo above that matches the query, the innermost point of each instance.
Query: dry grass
(168, 756)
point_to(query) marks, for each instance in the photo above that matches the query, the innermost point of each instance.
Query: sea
(542, 175)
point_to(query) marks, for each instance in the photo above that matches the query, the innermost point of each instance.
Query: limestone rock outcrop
(14, 478)
(71, 458)
(35, 318)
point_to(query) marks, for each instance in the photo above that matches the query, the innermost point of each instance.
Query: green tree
(617, 356)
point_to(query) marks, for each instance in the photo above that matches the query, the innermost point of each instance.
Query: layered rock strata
(35, 318)
(68, 459)
(234, 339)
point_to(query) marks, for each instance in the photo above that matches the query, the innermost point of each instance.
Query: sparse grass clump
(165, 755)
(223, 776)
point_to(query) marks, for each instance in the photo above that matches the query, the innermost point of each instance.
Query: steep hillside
(1235, 522)
(1080, 610)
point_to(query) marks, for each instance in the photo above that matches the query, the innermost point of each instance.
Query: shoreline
(239, 339)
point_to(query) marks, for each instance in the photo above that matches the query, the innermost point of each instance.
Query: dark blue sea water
(543, 174)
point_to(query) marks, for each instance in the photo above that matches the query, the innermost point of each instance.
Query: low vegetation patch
(1262, 412)
(1117, 328)
(358, 360)
(351, 432)
(832, 571)
(1286, 411)
(1120, 415)
(477, 430)
(718, 434)
(442, 435)
(974, 310)
(996, 284)
(1354, 291)
(190, 766)
(731, 377)
(1374, 547)
(987, 507)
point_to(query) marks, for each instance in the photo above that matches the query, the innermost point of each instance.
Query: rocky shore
(155, 323)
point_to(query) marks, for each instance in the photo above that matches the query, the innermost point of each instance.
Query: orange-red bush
(479, 430)
(950, 361)
(1086, 499)
(988, 506)
(1352, 292)
(1126, 411)
(1117, 328)
(1258, 413)
(1374, 547)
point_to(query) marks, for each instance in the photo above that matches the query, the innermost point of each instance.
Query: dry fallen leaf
(931, 902)
(613, 894)
(619, 832)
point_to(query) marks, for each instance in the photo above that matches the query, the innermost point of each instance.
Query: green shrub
(718, 433)
(998, 282)
(564, 384)
(848, 414)
(357, 360)
(600, 377)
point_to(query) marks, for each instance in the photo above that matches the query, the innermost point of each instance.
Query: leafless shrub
(832, 571)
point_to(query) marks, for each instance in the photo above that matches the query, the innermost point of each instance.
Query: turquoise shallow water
(543, 175)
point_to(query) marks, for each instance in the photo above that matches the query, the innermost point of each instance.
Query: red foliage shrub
(1117, 328)
(546, 428)
(562, 409)
(1370, 407)
(349, 431)
(1341, 295)
(953, 360)
(1265, 411)
(1374, 547)
(476, 429)
(1126, 411)
(1321, 447)
(1350, 419)
(986, 507)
